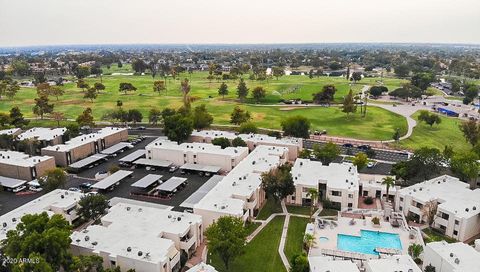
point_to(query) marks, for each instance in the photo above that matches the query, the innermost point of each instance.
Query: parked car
(371, 164)
(91, 193)
(141, 128)
(74, 189)
(364, 147)
(35, 188)
(19, 188)
(347, 145)
(173, 169)
(182, 172)
(207, 174)
(85, 186)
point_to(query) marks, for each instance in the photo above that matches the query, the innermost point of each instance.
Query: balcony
(187, 243)
(175, 260)
(251, 204)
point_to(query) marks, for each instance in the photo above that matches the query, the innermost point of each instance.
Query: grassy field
(268, 208)
(437, 136)
(435, 236)
(328, 212)
(303, 210)
(295, 233)
(378, 125)
(261, 254)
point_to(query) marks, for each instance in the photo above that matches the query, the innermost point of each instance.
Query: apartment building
(85, 145)
(371, 186)
(294, 145)
(458, 207)
(11, 132)
(196, 153)
(337, 182)
(239, 193)
(22, 166)
(61, 202)
(455, 257)
(45, 136)
(202, 267)
(141, 236)
(392, 264)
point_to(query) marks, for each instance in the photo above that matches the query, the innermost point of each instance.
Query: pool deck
(344, 227)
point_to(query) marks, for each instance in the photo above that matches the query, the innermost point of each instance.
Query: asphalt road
(380, 154)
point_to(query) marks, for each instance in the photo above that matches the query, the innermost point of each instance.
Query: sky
(61, 22)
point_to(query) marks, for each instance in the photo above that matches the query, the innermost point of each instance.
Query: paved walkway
(283, 240)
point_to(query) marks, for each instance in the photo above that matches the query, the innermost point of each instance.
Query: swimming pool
(368, 241)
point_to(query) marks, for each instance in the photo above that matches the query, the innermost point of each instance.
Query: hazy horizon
(149, 22)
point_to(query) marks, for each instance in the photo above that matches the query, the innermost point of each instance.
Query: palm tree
(389, 182)
(415, 250)
(313, 194)
(309, 240)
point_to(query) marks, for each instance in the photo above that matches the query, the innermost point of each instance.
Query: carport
(110, 181)
(171, 185)
(87, 161)
(201, 192)
(130, 158)
(154, 163)
(201, 168)
(147, 181)
(11, 183)
(116, 148)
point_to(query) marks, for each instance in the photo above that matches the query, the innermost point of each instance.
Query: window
(350, 205)
(401, 199)
(455, 232)
(445, 216)
(293, 198)
(194, 156)
(350, 195)
(336, 193)
(400, 208)
(184, 155)
(457, 222)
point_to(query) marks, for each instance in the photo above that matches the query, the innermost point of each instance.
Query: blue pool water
(368, 241)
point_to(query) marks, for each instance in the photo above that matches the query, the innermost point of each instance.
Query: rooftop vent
(451, 254)
(87, 238)
(95, 243)
(4, 224)
(457, 260)
(128, 208)
(179, 218)
(140, 253)
(466, 209)
(78, 240)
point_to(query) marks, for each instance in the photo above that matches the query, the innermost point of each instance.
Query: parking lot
(10, 201)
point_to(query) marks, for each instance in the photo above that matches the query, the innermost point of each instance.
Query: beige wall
(25, 173)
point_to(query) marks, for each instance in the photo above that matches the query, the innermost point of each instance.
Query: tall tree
(41, 106)
(258, 93)
(185, 86)
(278, 182)
(201, 118)
(226, 237)
(325, 96)
(177, 127)
(54, 179)
(98, 86)
(86, 118)
(134, 116)
(242, 90)
(239, 116)
(389, 182)
(467, 166)
(223, 90)
(429, 118)
(92, 207)
(16, 118)
(222, 142)
(471, 131)
(154, 116)
(313, 195)
(126, 87)
(248, 127)
(360, 160)
(56, 91)
(58, 117)
(159, 86)
(326, 153)
(278, 71)
(81, 84)
(90, 94)
(296, 126)
(349, 105)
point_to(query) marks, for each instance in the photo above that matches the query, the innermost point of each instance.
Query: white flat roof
(201, 167)
(10, 131)
(45, 203)
(146, 181)
(42, 134)
(21, 159)
(468, 257)
(336, 175)
(112, 179)
(327, 264)
(87, 161)
(84, 139)
(455, 196)
(158, 163)
(131, 226)
(242, 181)
(200, 193)
(202, 267)
(393, 264)
(197, 147)
(256, 138)
(171, 184)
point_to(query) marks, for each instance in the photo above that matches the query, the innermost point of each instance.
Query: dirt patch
(69, 102)
(258, 116)
(289, 108)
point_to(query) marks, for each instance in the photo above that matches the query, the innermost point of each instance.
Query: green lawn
(328, 212)
(268, 208)
(304, 210)
(296, 231)
(378, 125)
(448, 132)
(435, 236)
(251, 227)
(261, 254)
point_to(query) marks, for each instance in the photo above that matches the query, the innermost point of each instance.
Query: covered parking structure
(130, 158)
(88, 161)
(111, 181)
(146, 183)
(11, 183)
(200, 168)
(153, 163)
(171, 186)
(201, 192)
(116, 148)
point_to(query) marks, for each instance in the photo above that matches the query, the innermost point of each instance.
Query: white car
(35, 188)
(370, 164)
(19, 188)
(91, 193)
(74, 189)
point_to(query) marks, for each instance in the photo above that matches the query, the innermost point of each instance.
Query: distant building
(22, 166)
(11, 132)
(239, 193)
(294, 145)
(392, 264)
(337, 182)
(324, 264)
(456, 257)
(61, 202)
(141, 236)
(85, 145)
(196, 153)
(458, 207)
